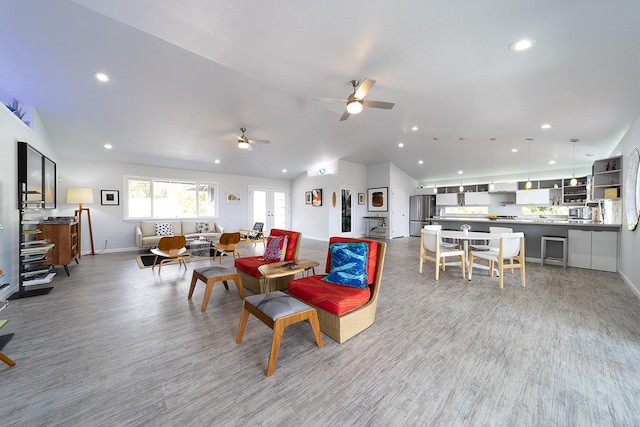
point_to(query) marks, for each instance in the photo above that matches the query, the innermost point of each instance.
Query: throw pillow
(164, 229)
(348, 264)
(276, 248)
(202, 227)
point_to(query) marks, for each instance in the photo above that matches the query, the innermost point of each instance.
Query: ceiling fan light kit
(355, 102)
(354, 107)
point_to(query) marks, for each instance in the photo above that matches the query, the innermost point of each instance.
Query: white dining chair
(431, 249)
(511, 247)
(443, 244)
(495, 243)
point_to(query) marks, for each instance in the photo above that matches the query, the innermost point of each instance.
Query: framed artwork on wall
(308, 198)
(377, 199)
(49, 183)
(233, 199)
(361, 198)
(317, 197)
(109, 197)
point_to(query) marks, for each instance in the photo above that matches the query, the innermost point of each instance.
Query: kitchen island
(534, 229)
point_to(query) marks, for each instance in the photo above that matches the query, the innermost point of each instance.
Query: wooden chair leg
(207, 294)
(243, 323)
(7, 360)
(226, 285)
(194, 279)
(315, 326)
(238, 282)
(155, 259)
(278, 329)
(501, 272)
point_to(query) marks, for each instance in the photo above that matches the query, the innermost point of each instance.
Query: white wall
(13, 130)
(108, 221)
(324, 221)
(628, 264)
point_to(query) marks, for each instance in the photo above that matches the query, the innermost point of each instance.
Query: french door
(270, 206)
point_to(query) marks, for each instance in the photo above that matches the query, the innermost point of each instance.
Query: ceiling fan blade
(330, 100)
(259, 141)
(249, 148)
(364, 88)
(378, 104)
(345, 116)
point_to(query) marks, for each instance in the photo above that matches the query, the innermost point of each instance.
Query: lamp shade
(79, 195)
(354, 107)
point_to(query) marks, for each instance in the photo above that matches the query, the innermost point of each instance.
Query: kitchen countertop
(545, 221)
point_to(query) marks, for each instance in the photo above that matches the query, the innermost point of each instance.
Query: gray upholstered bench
(277, 310)
(210, 275)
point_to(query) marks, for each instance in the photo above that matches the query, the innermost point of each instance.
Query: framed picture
(361, 198)
(233, 199)
(110, 197)
(316, 197)
(378, 199)
(308, 198)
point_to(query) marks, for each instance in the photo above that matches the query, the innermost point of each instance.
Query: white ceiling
(186, 75)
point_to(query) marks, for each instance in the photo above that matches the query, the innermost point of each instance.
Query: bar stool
(552, 260)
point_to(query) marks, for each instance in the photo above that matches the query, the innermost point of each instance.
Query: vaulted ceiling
(185, 76)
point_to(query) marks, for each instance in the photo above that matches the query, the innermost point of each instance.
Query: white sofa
(146, 231)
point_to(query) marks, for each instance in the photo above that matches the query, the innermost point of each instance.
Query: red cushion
(291, 245)
(250, 264)
(372, 256)
(333, 298)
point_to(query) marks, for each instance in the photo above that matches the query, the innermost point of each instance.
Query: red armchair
(247, 267)
(344, 311)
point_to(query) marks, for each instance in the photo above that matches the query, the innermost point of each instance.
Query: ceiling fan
(244, 143)
(355, 102)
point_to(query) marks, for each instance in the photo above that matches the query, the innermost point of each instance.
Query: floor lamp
(80, 196)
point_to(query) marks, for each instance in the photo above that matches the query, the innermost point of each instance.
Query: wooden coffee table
(275, 270)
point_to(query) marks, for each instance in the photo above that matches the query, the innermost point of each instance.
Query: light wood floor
(117, 345)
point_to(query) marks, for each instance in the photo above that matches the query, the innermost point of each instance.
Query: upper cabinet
(504, 187)
(533, 197)
(607, 178)
(448, 199)
(578, 194)
(477, 198)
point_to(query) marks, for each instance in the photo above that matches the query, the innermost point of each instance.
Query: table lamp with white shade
(82, 196)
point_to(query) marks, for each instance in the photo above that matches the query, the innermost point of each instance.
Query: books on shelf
(32, 250)
(39, 279)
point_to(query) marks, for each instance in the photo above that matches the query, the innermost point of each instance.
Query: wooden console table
(65, 237)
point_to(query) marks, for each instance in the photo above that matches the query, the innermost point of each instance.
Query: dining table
(465, 237)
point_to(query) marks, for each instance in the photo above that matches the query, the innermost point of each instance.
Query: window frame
(211, 185)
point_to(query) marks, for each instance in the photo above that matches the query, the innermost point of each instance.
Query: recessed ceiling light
(552, 162)
(102, 77)
(546, 126)
(521, 45)
(284, 171)
(420, 162)
(400, 144)
(460, 172)
(415, 128)
(514, 150)
(108, 146)
(216, 161)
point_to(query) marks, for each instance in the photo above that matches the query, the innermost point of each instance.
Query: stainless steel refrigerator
(421, 209)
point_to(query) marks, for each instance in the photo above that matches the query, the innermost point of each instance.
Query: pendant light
(435, 162)
(574, 181)
(461, 188)
(528, 185)
(492, 185)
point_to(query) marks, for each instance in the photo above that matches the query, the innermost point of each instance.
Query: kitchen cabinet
(477, 198)
(596, 250)
(533, 197)
(448, 199)
(607, 178)
(578, 194)
(504, 187)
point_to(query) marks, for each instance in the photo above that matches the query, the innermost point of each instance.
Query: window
(467, 210)
(163, 198)
(545, 210)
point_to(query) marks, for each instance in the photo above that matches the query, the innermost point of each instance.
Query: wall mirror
(632, 190)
